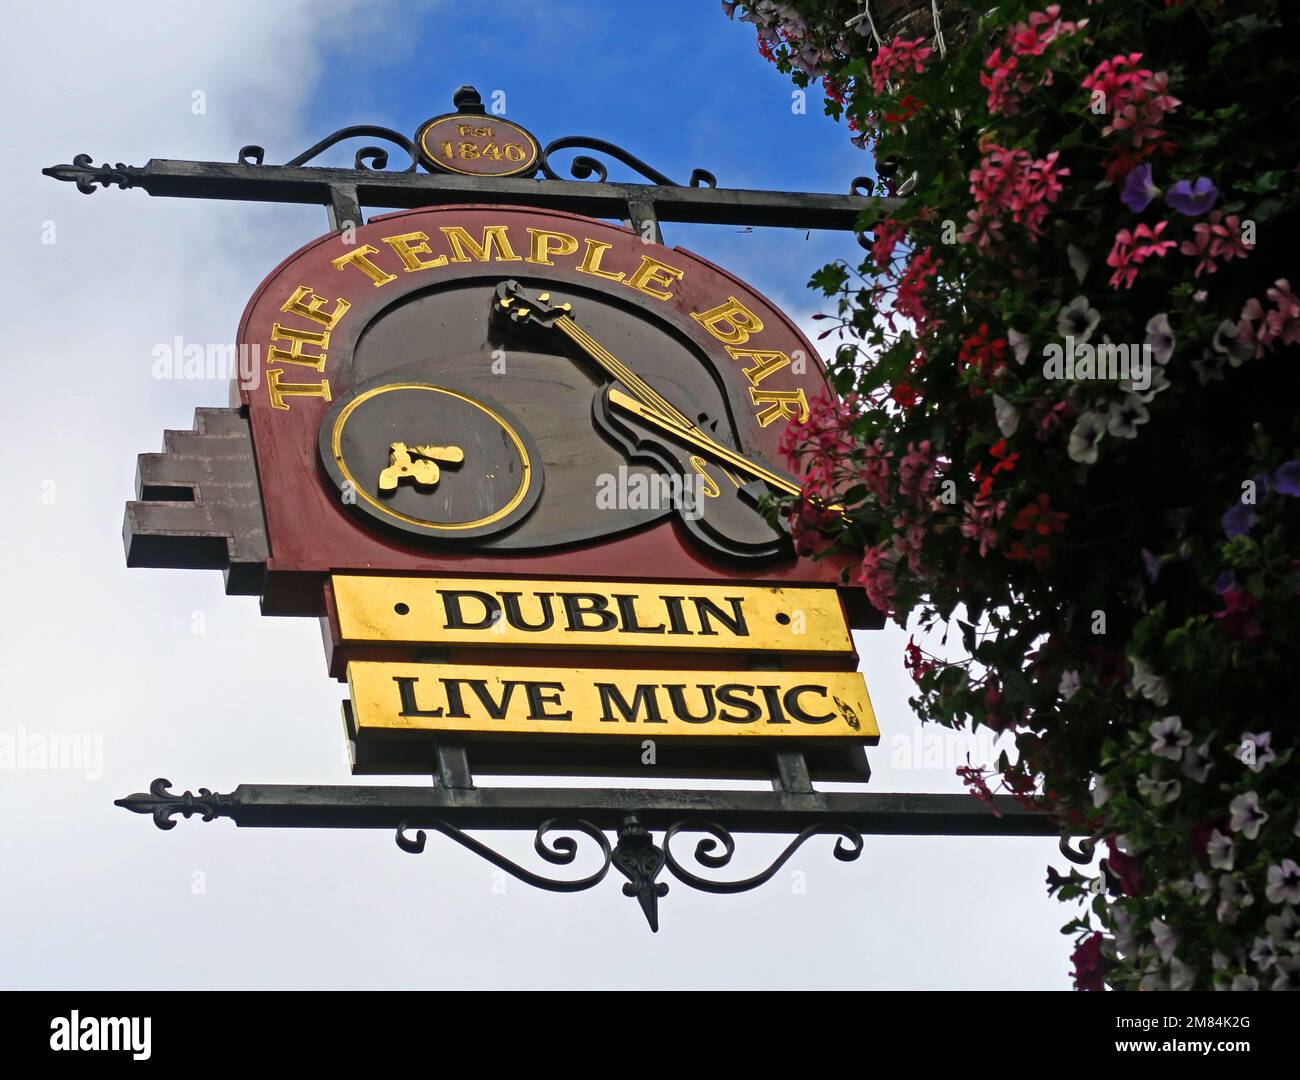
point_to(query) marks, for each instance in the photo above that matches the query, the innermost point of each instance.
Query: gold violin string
(622, 372)
(664, 413)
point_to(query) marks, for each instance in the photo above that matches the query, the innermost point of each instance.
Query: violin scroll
(525, 305)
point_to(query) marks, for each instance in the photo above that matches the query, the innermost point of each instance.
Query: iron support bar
(374, 807)
(408, 190)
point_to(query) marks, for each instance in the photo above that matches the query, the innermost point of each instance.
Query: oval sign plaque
(475, 144)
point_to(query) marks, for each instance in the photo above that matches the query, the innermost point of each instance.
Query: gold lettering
(494, 236)
(299, 304)
(742, 322)
(591, 257)
(765, 362)
(359, 259)
(653, 272)
(782, 403)
(280, 390)
(297, 339)
(547, 243)
(410, 252)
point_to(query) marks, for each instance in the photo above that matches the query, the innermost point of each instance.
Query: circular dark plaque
(430, 459)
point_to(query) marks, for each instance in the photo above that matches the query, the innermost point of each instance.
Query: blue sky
(685, 89)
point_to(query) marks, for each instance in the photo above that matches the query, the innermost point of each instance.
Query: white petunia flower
(1204, 885)
(1264, 954)
(1007, 415)
(1087, 433)
(1283, 883)
(1254, 750)
(1165, 937)
(1288, 974)
(1196, 763)
(1246, 815)
(1282, 928)
(1245, 982)
(1181, 976)
(1160, 792)
(1169, 738)
(1077, 320)
(1226, 340)
(1147, 683)
(1123, 418)
(1019, 344)
(1233, 896)
(1221, 850)
(1069, 685)
(1078, 262)
(1160, 336)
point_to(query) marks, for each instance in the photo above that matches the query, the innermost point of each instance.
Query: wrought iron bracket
(371, 183)
(559, 816)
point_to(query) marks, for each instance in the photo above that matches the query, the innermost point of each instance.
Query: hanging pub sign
(519, 461)
(518, 457)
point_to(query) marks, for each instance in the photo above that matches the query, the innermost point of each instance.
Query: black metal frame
(453, 804)
(631, 814)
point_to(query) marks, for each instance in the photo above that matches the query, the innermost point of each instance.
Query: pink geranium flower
(897, 59)
(1133, 248)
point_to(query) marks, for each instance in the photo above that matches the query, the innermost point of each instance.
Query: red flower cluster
(888, 234)
(877, 577)
(1132, 248)
(1218, 238)
(1013, 183)
(1089, 965)
(1280, 324)
(1004, 81)
(1239, 617)
(912, 287)
(1035, 520)
(896, 60)
(916, 662)
(986, 356)
(820, 448)
(908, 107)
(1137, 101)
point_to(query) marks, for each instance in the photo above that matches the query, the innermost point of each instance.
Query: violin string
(654, 400)
(623, 373)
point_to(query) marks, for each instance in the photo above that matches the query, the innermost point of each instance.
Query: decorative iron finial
(467, 100)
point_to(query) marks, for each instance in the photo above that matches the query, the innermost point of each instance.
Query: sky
(158, 673)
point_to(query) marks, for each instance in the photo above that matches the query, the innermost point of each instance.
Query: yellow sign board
(585, 614)
(822, 705)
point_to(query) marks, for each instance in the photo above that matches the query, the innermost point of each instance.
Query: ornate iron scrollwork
(583, 167)
(368, 158)
(164, 805)
(560, 852)
(848, 846)
(636, 855)
(86, 174)
(1087, 847)
(640, 859)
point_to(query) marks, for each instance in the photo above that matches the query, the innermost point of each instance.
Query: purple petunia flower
(1286, 481)
(1192, 199)
(1238, 520)
(1152, 565)
(1139, 189)
(1225, 581)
